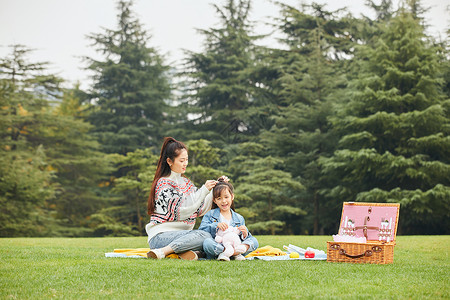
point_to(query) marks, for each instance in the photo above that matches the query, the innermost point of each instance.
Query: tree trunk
(316, 214)
(272, 228)
(138, 212)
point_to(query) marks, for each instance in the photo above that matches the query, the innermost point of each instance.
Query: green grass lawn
(76, 268)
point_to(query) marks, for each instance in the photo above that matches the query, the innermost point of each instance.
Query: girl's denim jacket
(212, 218)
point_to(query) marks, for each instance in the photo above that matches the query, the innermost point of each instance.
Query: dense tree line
(344, 109)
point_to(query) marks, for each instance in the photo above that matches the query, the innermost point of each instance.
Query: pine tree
(130, 87)
(310, 82)
(265, 194)
(80, 167)
(50, 165)
(220, 90)
(25, 179)
(395, 144)
(384, 11)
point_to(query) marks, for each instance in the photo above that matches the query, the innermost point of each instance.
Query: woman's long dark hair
(217, 191)
(171, 148)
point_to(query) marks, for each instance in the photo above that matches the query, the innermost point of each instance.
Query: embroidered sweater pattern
(177, 204)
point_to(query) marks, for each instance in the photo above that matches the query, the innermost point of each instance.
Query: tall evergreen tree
(395, 144)
(220, 89)
(265, 194)
(384, 11)
(80, 168)
(310, 82)
(49, 163)
(25, 179)
(130, 86)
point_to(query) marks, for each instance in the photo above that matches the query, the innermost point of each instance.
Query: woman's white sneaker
(155, 254)
(188, 255)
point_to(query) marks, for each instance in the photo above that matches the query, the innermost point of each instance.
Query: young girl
(221, 216)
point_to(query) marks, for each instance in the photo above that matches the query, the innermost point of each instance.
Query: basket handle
(365, 253)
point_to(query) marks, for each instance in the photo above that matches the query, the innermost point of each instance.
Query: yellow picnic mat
(266, 251)
(135, 252)
(142, 252)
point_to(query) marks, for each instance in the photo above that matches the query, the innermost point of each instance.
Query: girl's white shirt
(224, 220)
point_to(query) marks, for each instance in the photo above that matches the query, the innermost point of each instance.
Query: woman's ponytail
(170, 149)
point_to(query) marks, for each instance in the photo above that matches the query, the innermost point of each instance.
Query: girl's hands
(222, 226)
(210, 184)
(244, 231)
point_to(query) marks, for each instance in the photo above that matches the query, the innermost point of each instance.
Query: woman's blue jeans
(180, 241)
(213, 248)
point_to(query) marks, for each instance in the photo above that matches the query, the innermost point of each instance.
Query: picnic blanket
(266, 251)
(263, 253)
(142, 252)
(134, 253)
(271, 253)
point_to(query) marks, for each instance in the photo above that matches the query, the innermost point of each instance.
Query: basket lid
(375, 221)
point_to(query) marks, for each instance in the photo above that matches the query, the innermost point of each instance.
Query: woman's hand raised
(210, 184)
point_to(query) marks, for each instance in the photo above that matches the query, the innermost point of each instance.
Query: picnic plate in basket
(377, 222)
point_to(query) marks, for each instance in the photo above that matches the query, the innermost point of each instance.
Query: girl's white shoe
(223, 257)
(239, 257)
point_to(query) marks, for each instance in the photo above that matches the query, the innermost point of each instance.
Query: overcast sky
(57, 29)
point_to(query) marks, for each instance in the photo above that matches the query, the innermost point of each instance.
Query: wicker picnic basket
(377, 222)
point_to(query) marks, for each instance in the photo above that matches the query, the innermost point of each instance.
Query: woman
(174, 204)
